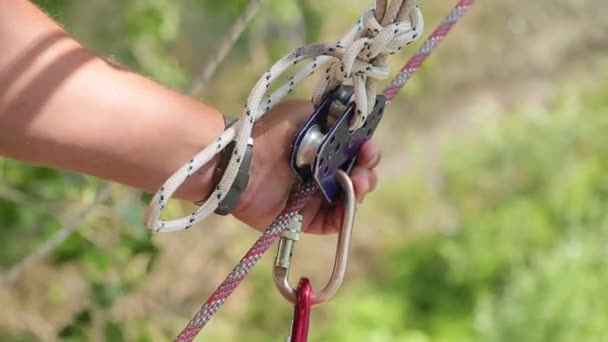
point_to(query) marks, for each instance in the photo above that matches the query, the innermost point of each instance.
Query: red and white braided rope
(296, 202)
(426, 49)
(300, 197)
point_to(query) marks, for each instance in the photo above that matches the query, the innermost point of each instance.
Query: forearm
(61, 106)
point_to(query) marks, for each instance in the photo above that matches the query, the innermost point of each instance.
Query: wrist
(201, 184)
(231, 196)
(193, 126)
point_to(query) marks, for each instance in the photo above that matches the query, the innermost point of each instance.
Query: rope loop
(359, 56)
(364, 61)
(298, 199)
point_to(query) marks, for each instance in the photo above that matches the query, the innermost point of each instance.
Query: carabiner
(291, 235)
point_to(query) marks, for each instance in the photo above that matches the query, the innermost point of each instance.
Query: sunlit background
(490, 221)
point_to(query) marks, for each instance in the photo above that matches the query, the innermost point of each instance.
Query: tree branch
(9, 278)
(227, 44)
(16, 196)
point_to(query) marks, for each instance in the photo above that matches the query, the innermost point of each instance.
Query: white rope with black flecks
(359, 56)
(302, 193)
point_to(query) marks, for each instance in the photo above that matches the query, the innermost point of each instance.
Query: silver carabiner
(280, 271)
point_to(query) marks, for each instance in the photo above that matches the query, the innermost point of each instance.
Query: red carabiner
(301, 315)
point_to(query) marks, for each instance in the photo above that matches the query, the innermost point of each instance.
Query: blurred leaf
(54, 8)
(76, 330)
(73, 248)
(226, 9)
(313, 19)
(113, 332)
(16, 337)
(132, 215)
(104, 294)
(145, 198)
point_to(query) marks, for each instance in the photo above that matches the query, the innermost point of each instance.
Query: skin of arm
(64, 107)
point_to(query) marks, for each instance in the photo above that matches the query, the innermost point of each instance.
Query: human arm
(64, 107)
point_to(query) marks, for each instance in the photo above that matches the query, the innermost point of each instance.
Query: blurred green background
(490, 221)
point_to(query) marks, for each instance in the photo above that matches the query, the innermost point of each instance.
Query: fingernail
(374, 162)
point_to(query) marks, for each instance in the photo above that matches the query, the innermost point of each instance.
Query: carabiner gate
(291, 235)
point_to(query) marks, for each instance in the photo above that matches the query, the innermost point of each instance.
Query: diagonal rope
(299, 198)
(296, 202)
(426, 49)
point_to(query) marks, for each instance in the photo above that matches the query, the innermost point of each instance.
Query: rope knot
(364, 60)
(360, 56)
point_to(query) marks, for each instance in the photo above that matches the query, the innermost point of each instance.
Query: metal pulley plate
(325, 143)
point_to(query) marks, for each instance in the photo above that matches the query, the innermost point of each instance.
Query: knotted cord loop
(364, 61)
(298, 199)
(360, 55)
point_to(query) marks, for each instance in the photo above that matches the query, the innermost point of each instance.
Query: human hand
(272, 179)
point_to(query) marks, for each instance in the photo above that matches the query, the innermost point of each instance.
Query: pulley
(326, 144)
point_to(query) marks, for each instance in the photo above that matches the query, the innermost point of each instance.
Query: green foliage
(527, 260)
(151, 28)
(313, 19)
(509, 249)
(22, 229)
(77, 330)
(113, 332)
(523, 259)
(55, 8)
(226, 9)
(9, 336)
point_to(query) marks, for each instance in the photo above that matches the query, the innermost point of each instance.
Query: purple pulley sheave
(325, 143)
